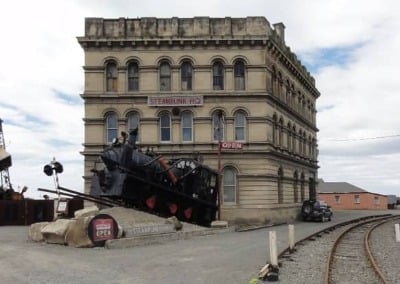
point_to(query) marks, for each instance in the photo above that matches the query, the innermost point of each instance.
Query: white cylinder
(273, 249)
(397, 231)
(291, 237)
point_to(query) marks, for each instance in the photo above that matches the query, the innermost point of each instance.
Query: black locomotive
(181, 187)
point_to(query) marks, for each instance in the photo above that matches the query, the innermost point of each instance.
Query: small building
(343, 195)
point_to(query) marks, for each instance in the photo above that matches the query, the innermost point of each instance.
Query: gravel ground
(308, 263)
(386, 251)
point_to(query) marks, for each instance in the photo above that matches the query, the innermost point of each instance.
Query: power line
(366, 138)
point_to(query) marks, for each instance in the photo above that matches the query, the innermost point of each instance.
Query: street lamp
(219, 128)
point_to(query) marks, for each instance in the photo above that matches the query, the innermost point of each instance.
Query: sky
(351, 48)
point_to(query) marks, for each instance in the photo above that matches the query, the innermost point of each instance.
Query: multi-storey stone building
(188, 83)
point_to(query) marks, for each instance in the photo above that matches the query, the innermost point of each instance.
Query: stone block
(88, 211)
(77, 233)
(219, 224)
(54, 232)
(35, 233)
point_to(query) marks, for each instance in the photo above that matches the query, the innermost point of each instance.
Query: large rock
(88, 211)
(77, 233)
(54, 232)
(35, 231)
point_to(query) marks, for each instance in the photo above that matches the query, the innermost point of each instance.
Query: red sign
(231, 145)
(103, 229)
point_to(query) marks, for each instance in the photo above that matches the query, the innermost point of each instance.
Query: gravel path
(386, 251)
(308, 263)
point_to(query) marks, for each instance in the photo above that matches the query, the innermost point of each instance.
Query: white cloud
(351, 47)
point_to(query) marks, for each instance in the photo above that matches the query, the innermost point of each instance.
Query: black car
(316, 210)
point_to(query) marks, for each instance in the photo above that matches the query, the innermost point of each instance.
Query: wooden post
(291, 238)
(273, 249)
(397, 230)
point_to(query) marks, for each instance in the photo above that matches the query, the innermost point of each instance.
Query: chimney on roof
(280, 31)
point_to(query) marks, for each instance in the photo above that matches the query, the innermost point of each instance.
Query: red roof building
(343, 195)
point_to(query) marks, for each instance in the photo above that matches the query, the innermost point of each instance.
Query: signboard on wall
(175, 101)
(231, 145)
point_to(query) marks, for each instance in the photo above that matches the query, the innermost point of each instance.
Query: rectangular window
(337, 199)
(376, 200)
(357, 199)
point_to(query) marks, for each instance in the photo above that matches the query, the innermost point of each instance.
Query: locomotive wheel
(151, 202)
(173, 208)
(188, 213)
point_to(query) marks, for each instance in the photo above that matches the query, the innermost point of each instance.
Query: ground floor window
(229, 185)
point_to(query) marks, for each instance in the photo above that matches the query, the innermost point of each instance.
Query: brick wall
(365, 200)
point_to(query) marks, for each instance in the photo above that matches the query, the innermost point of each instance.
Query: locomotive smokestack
(132, 137)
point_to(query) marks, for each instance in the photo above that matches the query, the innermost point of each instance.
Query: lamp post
(219, 163)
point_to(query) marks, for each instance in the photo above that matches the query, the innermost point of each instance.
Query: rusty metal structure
(182, 187)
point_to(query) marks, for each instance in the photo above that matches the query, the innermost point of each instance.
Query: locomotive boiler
(181, 187)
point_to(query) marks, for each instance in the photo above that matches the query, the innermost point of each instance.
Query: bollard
(273, 249)
(291, 238)
(397, 231)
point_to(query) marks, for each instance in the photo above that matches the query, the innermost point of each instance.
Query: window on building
(186, 76)
(229, 185)
(280, 186)
(165, 77)
(133, 122)
(376, 200)
(295, 187)
(111, 127)
(240, 126)
(111, 77)
(218, 122)
(357, 199)
(302, 189)
(187, 126)
(218, 76)
(337, 199)
(133, 76)
(165, 127)
(239, 73)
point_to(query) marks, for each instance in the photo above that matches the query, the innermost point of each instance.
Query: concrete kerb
(163, 237)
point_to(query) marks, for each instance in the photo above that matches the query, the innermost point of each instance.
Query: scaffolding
(5, 163)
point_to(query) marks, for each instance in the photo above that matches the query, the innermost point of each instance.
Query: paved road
(233, 257)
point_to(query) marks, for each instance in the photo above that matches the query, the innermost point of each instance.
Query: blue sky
(350, 48)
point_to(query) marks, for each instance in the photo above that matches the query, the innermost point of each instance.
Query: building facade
(190, 83)
(345, 196)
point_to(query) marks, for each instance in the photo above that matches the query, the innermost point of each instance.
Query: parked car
(316, 210)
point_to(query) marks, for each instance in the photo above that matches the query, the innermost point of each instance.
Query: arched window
(111, 77)
(239, 74)
(295, 189)
(187, 126)
(280, 186)
(218, 122)
(280, 142)
(111, 127)
(240, 126)
(165, 127)
(133, 76)
(133, 122)
(289, 137)
(302, 184)
(274, 129)
(165, 77)
(274, 81)
(218, 76)
(186, 76)
(229, 185)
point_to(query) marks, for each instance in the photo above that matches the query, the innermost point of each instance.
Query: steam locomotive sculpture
(178, 187)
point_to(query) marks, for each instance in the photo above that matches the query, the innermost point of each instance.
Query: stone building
(188, 83)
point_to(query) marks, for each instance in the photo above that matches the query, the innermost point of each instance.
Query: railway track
(351, 259)
(338, 254)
